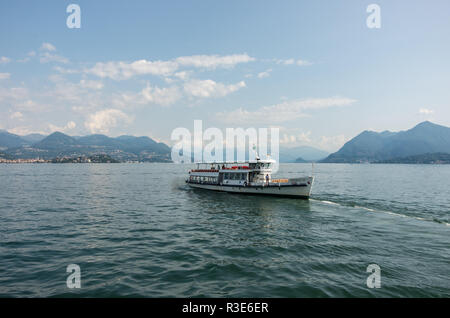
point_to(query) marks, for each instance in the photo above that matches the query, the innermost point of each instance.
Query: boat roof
(238, 162)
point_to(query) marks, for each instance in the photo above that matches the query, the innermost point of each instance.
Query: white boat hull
(298, 191)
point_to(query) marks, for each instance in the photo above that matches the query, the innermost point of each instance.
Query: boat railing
(204, 170)
(236, 168)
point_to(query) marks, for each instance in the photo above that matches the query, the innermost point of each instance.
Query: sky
(314, 69)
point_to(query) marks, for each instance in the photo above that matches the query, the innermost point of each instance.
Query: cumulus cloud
(4, 60)
(91, 84)
(123, 70)
(47, 57)
(16, 115)
(65, 70)
(265, 73)
(25, 130)
(104, 120)
(302, 138)
(160, 96)
(4, 76)
(298, 62)
(148, 95)
(69, 126)
(210, 88)
(282, 112)
(119, 70)
(426, 111)
(13, 94)
(214, 61)
(332, 143)
(182, 75)
(48, 47)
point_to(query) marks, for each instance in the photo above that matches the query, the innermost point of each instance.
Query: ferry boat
(249, 177)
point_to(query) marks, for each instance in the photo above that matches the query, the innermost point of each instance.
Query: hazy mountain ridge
(8, 140)
(301, 154)
(426, 142)
(369, 146)
(57, 144)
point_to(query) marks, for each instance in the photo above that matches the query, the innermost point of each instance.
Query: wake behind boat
(248, 177)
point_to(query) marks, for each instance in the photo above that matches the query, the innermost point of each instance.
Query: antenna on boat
(312, 169)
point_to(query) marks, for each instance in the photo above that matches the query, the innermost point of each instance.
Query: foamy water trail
(379, 210)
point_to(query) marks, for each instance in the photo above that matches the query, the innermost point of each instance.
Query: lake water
(138, 230)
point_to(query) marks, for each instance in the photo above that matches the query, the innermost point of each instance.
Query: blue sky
(312, 68)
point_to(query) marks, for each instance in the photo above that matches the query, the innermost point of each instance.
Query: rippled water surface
(137, 230)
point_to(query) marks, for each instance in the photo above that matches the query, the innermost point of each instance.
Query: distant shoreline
(37, 161)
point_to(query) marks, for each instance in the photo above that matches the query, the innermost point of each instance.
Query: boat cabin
(232, 173)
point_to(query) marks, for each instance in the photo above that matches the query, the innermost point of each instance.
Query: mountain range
(370, 146)
(426, 142)
(57, 144)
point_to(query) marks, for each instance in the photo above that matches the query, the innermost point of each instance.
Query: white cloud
(84, 95)
(65, 71)
(104, 120)
(47, 57)
(300, 138)
(28, 57)
(123, 70)
(160, 96)
(69, 126)
(48, 47)
(210, 88)
(425, 111)
(182, 75)
(298, 62)
(4, 76)
(16, 115)
(286, 62)
(214, 61)
(13, 94)
(303, 63)
(332, 143)
(265, 73)
(4, 60)
(282, 112)
(148, 95)
(169, 95)
(91, 84)
(24, 130)
(120, 70)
